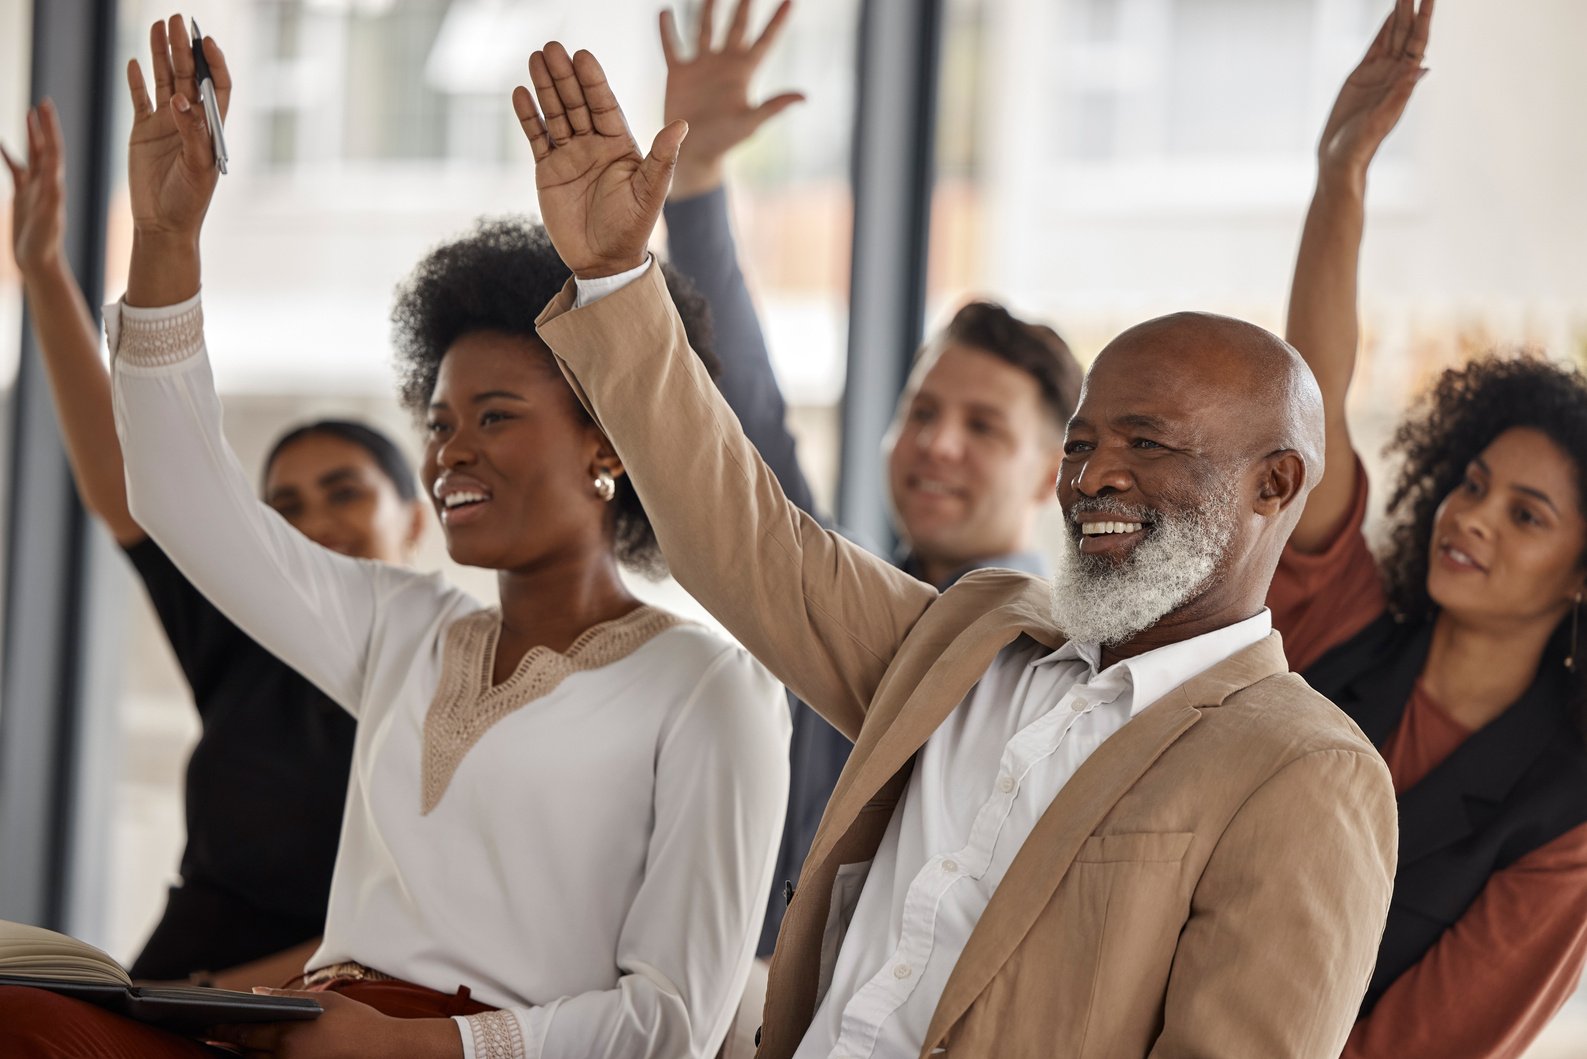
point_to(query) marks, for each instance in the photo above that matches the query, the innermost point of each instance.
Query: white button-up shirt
(980, 784)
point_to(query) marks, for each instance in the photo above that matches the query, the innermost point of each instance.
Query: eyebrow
(339, 474)
(1528, 490)
(481, 398)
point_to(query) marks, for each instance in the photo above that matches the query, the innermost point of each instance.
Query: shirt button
(1079, 705)
(950, 865)
(1005, 783)
(901, 971)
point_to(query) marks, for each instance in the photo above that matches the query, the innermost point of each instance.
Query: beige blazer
(1212, 882)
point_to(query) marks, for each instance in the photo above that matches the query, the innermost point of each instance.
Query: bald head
(1264, 389)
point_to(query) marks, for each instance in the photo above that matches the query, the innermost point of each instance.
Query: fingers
(738, 29)
(198, 152)
(655, 172)
(703, 35)
(141, 105)
(775, 106)
(182, 64)
(555, 115)
(160, 64)
(19, 173)
(566, 80)
(600, 101)
(529, 119)
(1421, 30)
(219, 73)
(768, 36)
(669, 38)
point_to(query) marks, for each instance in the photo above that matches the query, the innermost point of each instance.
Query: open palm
(599, 197)
(1377, 90)
(38, 205)
(170, 165)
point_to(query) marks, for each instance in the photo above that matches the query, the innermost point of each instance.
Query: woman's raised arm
(1322, 322)
(67, 336)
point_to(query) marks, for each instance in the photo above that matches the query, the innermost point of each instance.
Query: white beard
(1096, 600)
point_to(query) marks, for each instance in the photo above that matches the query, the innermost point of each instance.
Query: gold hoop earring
(605, 484)
(1575, 621)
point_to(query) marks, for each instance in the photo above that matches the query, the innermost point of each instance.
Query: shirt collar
(1157, 672)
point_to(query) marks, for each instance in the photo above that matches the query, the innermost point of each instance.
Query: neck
(553, 604)
(1476, 672)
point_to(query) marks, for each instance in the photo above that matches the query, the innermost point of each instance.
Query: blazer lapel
(897, 729)
(1076, 812)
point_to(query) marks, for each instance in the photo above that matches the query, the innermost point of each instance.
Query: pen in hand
(206, 92)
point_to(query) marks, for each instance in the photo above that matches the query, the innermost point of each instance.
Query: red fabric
(1321, 599)
(38, 1024)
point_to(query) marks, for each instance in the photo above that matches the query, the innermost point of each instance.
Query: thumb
(18, 170)
(775, 106)
(197, 151)
(655, 172)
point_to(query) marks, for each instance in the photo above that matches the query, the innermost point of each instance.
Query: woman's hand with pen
(171, 169)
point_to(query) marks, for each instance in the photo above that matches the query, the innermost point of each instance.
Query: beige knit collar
(466, 704)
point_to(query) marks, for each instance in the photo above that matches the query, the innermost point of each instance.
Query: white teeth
(452, 500)
(932, 487)
(1093, 529)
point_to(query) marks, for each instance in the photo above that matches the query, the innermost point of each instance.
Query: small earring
(605, 484)
(1575, 621)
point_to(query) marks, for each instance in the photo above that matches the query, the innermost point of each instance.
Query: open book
(43, 959)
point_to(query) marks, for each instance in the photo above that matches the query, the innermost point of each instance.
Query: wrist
(47, 267)
(1341, 181)
(692, 179)
(604, 269)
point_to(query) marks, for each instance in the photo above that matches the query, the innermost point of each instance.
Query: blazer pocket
(1135, 847)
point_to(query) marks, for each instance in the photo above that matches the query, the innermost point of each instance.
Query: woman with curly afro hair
(1457, 650)
(563, 808)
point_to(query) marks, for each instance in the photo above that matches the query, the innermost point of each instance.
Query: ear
(1052, 466)
(1282, 481)
(606, 456)
(418, 516)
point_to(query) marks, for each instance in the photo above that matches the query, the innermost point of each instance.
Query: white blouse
(586, 846)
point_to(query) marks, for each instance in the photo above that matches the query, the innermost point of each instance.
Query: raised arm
(67, 336)
(1322, 321)
(822, 614)
(312, 608)
(710, 91)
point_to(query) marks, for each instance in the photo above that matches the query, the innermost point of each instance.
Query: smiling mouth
(462, 506)
(1457, 558)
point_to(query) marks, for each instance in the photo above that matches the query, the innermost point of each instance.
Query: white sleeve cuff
(155, 337)
(590, 291)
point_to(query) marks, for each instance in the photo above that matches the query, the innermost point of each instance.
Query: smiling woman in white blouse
(563, 810)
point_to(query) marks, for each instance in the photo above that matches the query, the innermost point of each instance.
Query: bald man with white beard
(1095, 816)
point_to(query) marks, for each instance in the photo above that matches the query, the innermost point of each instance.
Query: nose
(455, 450)
(941, 440)
(1102, 474)
(1475, 519)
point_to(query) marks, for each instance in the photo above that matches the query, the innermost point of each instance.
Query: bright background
(1099, 162)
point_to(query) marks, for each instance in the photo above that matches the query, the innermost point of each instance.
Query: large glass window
(362, 133)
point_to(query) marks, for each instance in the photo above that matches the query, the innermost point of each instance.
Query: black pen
(206, 92)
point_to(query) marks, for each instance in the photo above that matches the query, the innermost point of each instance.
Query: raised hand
(170, 162)
(599, 198)
(711, 92)
(1375, 94)
(38, 203)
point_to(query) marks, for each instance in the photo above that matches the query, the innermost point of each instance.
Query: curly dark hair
(1450, 426)
(498, 277)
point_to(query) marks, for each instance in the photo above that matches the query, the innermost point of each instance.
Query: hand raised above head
(1375, 94)
(599, 197)
(38, 204)
(170, 161)
(711, 91)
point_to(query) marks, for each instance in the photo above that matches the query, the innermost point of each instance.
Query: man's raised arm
(823, 614)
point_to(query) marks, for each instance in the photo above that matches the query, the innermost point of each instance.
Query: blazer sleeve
(700, 245)
(1285, 921)
(824, 615)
